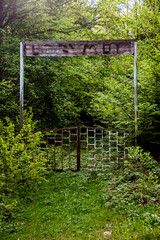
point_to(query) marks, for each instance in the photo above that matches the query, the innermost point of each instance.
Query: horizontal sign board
(77, 48)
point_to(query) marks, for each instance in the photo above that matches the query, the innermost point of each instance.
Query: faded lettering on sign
(78, 48)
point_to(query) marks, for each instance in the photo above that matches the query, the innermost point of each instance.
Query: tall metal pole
(78, 149)
(21, 84)
(135, 87)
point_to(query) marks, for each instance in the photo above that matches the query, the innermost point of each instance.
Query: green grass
(68, 206)
(75, 206)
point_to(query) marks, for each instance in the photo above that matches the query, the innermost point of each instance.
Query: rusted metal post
(78, 148)
(21, 84)
(135, 88)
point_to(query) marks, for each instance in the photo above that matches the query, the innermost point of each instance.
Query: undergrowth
(22, 165)
(113, 203)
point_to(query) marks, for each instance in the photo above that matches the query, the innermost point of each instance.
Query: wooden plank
(77, 48)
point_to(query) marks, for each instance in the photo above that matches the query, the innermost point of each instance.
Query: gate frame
(93, 146)
(91, 45)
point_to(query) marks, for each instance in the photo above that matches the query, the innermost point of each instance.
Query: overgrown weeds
(21, 164)
(123, 203)
(137, 183)
(134, 193)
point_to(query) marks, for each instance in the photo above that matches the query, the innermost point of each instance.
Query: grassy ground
(73, 206)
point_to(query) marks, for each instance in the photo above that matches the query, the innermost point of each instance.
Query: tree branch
(68, 30)
(19, 15)
(12, 8)
(4, 14)
(21, 5)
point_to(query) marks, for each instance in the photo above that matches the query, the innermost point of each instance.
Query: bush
(141, 160)
(136, 184)
(21, 161)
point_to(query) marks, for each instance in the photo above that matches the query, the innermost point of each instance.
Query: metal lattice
(101, 147)
(83, 148)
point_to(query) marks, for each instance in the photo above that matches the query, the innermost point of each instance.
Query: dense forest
(119, 200)
(92, 91)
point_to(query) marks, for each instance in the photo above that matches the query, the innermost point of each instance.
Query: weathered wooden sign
(77, 48)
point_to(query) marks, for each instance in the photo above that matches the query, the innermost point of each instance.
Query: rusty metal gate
(78, 148)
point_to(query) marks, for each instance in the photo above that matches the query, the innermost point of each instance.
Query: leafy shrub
(137, 183)
(141, 160)
(20, 157)
(21, 161)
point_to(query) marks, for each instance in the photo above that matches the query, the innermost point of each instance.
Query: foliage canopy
(90, 90)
